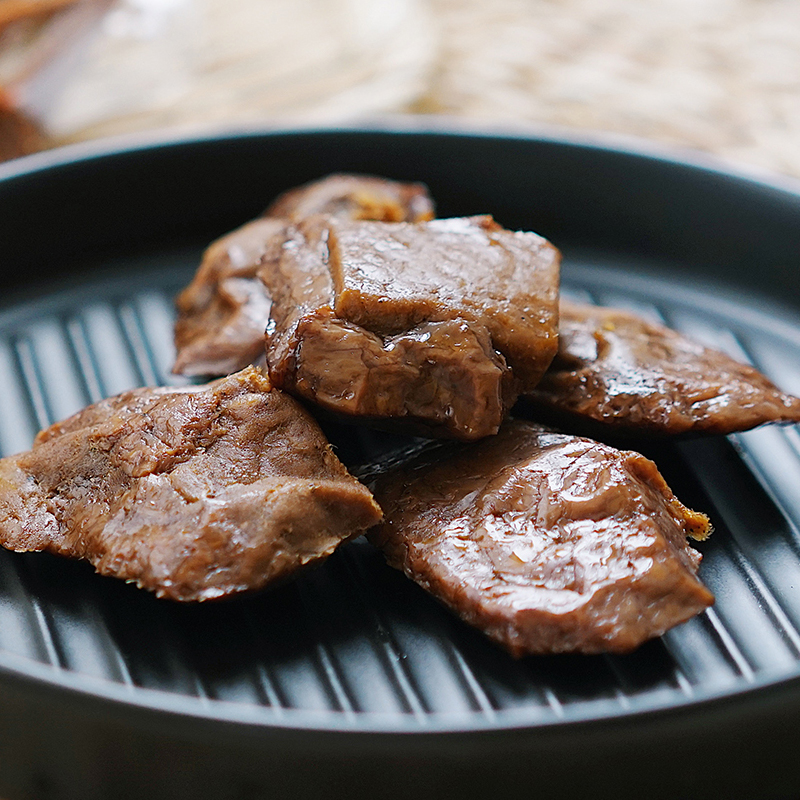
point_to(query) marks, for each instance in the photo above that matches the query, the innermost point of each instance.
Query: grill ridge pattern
(355, 637)
(392, 657)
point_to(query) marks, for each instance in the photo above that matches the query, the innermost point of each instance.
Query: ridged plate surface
(355, 637)
(353, 645)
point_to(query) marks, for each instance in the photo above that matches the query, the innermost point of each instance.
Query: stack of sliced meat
(365, 307)
(223, 312)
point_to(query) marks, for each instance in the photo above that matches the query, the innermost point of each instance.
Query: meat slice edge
(194, 493)
(548, 543)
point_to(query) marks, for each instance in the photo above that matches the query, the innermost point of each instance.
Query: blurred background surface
(719, 75)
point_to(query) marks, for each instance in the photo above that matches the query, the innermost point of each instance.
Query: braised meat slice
(194, 493)
(618, 372)
(546, 542)
(435, 324)
(355, 197)
(222, 313)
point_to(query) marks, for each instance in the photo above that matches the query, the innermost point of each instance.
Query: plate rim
(32, 675)
(407, 124)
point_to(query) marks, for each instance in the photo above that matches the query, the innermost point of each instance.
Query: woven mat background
(719, 75)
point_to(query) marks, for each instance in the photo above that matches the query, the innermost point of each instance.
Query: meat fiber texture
(194, 493)
(548, 543)
(223, 312)
(617, 372)
(433, 326)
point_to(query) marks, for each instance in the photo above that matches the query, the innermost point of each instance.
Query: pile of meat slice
(224, 310)
(349, 295)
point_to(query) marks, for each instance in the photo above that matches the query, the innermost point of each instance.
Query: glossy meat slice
(223, 312)
(546, 542)
(433, 324)
(618, 372)
(193, 493)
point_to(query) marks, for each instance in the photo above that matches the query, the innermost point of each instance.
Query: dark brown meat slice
(223, 312)
(436, 324)
(548, 543)
(618, 372)
(194, 493)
